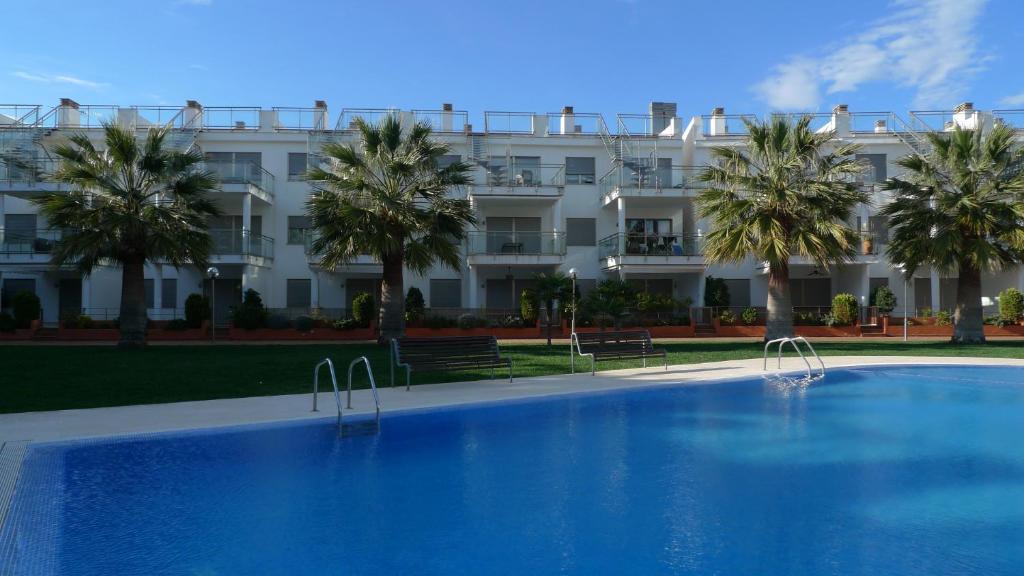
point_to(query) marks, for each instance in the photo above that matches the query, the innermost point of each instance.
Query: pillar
(474, 291)
(700, 289)
(865, 286)
(314, 296)
(246, 221)
(158, 287)
(556, 215)
(3, 213)
(936, 290)
(86, 292)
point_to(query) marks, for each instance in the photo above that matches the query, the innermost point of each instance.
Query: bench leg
(592, 362)
(492, 373)
(408, 379)
(509, 372)
(666, 362)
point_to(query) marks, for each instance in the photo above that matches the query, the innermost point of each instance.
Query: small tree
(528, 306)
(414, 304)
(844, 309)
(885, 300)
(548, 288)
(197, 309)
(250, 314)
(362, 308)
(1011, 305)
(716, 292)
(609, 301)
(26, 308)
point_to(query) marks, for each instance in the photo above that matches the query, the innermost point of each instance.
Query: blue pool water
(903, 470)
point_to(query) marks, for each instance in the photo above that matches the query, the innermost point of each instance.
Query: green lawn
(58, 377)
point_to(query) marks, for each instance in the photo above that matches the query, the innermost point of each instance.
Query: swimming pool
(895, 470)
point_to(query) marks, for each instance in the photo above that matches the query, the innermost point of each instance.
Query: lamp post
(572, 329)
(906, 310)
(213, 273)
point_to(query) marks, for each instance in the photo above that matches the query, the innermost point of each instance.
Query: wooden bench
(616, 345)
(445, 354)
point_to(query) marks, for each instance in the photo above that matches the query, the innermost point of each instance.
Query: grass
(36, 378)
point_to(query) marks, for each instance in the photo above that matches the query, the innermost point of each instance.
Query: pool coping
(225, 414)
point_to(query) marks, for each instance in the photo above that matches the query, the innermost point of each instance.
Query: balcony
(243, 178)
(28, 246)
(515, 248)
(631, 179)
(25, 177)
(234, 246)
(361, 264)
(518, 178)
(652, 253)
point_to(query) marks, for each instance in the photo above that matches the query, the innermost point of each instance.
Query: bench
(616, 345)
(446, 353)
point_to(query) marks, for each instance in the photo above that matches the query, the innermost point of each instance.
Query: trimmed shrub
(414, 304)
(884, 299)
(1011, 305)
(362, 309)
(26, 308)
(78, 321)
(528, 306)
(437, 321)
(470, 321)
(251, 314)
(345, 324)
(177, 325)
(749, 315)
(7, 323)
(844, 309)
(197, 309)
(278, 322)
(727, 317)
(943, 318)
(304, 324)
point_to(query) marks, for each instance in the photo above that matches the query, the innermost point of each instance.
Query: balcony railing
(621, 244)
(27, 169)
(39, 241)
(234, 242)
(290, 118)
(629, 176)
(516, 243)
(172, 116)
(642, 125)
(1012, 118)
(19, 114)
(521, 174)
(231, 118)
(230, 172)
(443, 121)
(715, 125)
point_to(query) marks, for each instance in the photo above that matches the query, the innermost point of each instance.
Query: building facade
(552, 191)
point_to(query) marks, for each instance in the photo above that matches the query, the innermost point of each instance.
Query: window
(12, 286)
(446, 293)
(299, 293)
(739, 291)
(811, 291)
(579, 170)
(878, 171)
(297, 166)
(148, 287)
(580, 231)
(447, 160)
(298, 227)
(514, 235)
(169, 294)
(922, 293)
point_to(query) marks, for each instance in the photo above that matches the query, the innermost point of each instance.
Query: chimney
(193, 114)
(964, 116)
(446, 116)
(447, 107)
(567, 122)
(662, 116)
(240, 125)
(68, 115)
(319, 115)
(880, 127)
(841, 120)
(841, 109)
(717, 125)
(964, 107)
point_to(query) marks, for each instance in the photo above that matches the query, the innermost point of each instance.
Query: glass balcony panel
(501, 243)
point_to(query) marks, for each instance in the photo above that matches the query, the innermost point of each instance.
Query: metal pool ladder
(794, 342)
(334, 382)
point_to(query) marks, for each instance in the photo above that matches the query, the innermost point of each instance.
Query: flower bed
(503, 333)
(18, 334)
(739, 331)
(827, 331)
(290, 334)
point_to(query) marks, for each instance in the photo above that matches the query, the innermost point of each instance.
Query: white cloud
(1013, 100)
(58, 79)
(928, 46)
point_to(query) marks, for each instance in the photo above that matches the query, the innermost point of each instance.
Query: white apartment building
(552, 191)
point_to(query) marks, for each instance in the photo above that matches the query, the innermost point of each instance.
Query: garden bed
(290, 334)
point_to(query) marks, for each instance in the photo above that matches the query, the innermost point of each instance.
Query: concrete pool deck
(22, 428)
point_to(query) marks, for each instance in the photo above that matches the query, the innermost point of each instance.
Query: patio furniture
(446, 354)
(622, 344)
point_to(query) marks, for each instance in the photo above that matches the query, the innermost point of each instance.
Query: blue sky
(603, 56)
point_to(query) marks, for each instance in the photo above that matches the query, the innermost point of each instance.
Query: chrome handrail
(334, 382)
(793, 342)
(373, 385)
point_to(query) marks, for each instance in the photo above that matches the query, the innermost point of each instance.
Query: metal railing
(334, 383)
(299, 118)
(819, 121)
(19, 114)
(161, 116)
(516, 174)
(794, 343)
(231, 118)
(443, 121)
(235, 172)
(872, 122)
(715, 125)
(583, 124)
(346, 121)
(509, 122)
(641, 125)
(931, 120)
(27, 169)
(234, 242)
(40, 241)
(632, 175)
(516, 243)
(1012, 118)
(623, 244)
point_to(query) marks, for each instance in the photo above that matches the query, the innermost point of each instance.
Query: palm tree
(960, 209)
(547, 289)
(790, 192)
(130, 203)
(388, 198)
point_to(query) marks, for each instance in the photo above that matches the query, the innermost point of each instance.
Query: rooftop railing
(727, 125)
(624, 244)
(508, 122)
(19, 114)
(872, 122)
(293, 118)
(931, 120)
(159, 116)
(443, 121)
(819, 120)
(235, 242)
(231, 118)
(642, 177)
(1012, 118)
(583, 124)
(641, 124)
(516, 243)
(370, 115)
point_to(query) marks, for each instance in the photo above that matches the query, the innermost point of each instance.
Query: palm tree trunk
(133, 303)
(780, 305)
(968, 322)
(392, 301)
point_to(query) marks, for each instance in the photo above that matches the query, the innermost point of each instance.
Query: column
(556, 215)
(3, 218)
(86, 292)
(246, 221)
(700, 289)
(620, 216)
(158, 287)
(314, 296)
(865, 286)
(473, 289)
(936, 290)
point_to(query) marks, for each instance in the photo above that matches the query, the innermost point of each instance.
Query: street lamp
(572, 330)
(903, 270)
(213, 273)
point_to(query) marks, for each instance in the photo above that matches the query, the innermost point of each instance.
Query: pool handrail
(373, 384)
(334, 383)
(793, 342)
